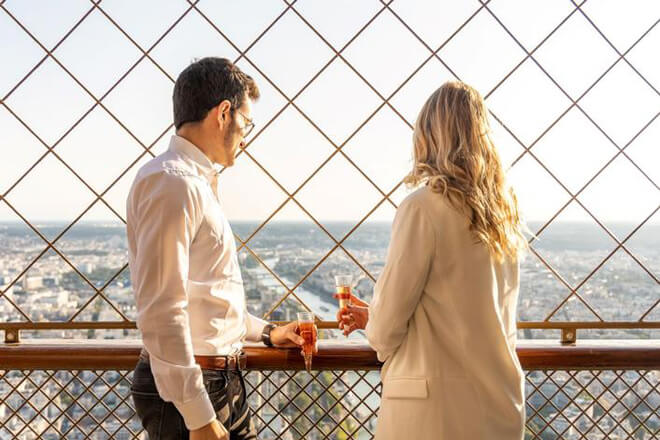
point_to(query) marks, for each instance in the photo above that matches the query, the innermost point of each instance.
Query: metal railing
(81, 389)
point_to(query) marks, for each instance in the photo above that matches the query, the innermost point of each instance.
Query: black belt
(225, 362)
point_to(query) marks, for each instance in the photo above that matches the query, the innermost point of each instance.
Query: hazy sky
(337, 102)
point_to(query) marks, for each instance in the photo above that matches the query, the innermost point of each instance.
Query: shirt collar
(183, 146)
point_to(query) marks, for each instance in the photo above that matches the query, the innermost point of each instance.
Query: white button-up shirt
(185, 274)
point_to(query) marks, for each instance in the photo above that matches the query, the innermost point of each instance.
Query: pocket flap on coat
(405, 388)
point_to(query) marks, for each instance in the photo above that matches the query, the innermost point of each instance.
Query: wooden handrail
(569, 330)
(40, 354)
(538, 325)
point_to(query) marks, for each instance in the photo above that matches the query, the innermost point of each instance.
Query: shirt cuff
(198, 412)
(254, 328)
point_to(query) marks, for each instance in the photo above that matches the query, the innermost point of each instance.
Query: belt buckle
(228, 362)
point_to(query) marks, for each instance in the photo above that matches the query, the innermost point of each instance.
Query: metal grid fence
(324, 404)
(292, 10)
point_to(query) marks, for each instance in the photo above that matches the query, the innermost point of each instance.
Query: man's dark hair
(205, 84)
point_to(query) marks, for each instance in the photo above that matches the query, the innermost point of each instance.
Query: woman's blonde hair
(455, 156)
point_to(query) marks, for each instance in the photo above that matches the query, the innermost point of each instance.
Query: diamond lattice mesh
(573, 93)
(328, 404)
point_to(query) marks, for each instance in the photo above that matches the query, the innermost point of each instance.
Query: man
(185, 273)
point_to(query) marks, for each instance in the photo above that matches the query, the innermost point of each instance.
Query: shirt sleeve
(163, 214)
(254, 328)
(399, 287)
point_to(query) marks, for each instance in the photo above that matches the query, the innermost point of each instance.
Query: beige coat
(443, 319)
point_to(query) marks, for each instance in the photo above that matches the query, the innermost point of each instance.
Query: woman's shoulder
(435, 207)
(426, 199)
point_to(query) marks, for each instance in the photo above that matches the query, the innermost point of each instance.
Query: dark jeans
(162, 421)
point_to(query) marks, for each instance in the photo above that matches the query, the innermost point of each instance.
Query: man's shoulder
(168, 176)
(169, 166)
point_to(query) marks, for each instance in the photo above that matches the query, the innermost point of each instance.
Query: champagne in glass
(306, 327)
(343, 283)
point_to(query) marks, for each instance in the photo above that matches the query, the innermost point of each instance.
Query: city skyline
(295, 256)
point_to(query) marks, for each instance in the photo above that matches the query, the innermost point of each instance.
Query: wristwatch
(265, 334)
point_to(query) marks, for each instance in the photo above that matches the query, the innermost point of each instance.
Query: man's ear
(224, 109)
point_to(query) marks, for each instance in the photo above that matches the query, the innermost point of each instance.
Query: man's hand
(212, 431)
(352, 318)
(287, 336)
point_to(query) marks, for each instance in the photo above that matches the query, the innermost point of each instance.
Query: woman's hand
(352, 318)
(354, 300)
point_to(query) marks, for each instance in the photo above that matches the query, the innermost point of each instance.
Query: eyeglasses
(249, 125)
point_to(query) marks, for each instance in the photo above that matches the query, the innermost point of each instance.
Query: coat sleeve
(400, 286)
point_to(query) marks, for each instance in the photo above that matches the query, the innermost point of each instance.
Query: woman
(443, 316)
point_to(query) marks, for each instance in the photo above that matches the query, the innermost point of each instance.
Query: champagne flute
(306, 328)
(343, 284)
